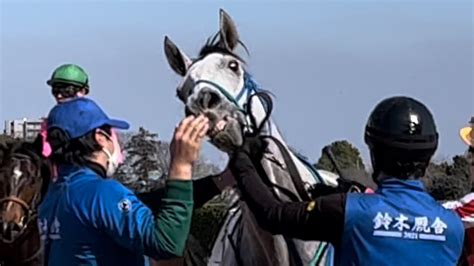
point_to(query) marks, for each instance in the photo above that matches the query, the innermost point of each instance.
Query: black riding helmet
(402, 137)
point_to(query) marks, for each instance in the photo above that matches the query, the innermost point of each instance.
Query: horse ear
(37, 145)
(228, 31)
(178, 61)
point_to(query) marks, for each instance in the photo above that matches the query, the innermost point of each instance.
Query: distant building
(23, 129)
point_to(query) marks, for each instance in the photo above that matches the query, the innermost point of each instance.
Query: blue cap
(80, 116)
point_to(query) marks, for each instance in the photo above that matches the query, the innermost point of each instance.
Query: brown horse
(24, 177)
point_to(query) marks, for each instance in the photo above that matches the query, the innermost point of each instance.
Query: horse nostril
(214, 99)
(4, 227)
(209, 99)
(9, 230)
(16, 227)
(6, 231)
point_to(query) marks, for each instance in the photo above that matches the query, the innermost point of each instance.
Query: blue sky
(327, 62)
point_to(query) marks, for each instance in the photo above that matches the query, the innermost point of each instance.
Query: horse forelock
(213, 45)
(212, 49)
(25, 151)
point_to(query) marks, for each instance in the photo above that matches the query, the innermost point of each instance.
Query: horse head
(24, 176)
(215, 84)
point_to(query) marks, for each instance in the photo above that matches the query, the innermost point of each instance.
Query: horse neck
(259, 112)
(271, 129)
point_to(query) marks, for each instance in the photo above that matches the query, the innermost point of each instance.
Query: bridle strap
(267, 104)
(292, 169)
(234, 100)
(247, 110)
(17, 200)
(30, 214)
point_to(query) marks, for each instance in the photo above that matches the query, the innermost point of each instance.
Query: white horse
(217, 85)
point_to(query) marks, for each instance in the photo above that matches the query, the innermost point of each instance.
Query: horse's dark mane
(25, 148)
(14, 146)
(29, 149)
(213, 45)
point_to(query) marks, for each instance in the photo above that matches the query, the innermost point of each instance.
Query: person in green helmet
(69, 81)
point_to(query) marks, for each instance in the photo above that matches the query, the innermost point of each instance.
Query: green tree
(347, 156)
(203, 168)
(460, 167)
(147, 162)
(143, 148)
(448, 181)
(349, 160)
(437, 169)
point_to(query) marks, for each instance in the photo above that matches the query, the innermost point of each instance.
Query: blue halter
(248, 88)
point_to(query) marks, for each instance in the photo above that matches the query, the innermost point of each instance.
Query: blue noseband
(248, 88)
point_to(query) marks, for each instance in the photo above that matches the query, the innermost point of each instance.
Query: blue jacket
(399, 225)
(88, 220)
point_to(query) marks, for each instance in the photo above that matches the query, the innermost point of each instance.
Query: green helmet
(69, 74)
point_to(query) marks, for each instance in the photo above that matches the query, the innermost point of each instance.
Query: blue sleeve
(119, 213)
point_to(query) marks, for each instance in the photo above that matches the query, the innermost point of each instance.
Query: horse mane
(6, 146)
(214, 45)
(25, 148)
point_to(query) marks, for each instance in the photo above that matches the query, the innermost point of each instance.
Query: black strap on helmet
(428, 142)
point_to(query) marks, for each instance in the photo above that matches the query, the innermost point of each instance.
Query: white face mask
(115, 159)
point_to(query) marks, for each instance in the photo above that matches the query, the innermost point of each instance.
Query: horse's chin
(229, 138)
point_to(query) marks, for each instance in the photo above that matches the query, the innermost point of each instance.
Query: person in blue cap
(87, 218)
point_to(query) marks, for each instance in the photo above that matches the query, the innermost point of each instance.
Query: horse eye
(234, 65)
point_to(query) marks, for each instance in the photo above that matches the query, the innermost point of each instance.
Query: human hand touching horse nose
(186, 145)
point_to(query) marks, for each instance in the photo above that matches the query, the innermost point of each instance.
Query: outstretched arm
(204, 190)
(321, 219)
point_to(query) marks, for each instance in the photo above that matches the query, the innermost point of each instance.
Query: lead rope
(267, 104)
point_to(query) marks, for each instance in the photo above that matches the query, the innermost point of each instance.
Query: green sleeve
(173, 219)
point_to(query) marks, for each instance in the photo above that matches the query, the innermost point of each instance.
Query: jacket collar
(65, 171)
(395, 183)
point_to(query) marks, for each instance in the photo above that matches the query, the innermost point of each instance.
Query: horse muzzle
(9, 232)
(13, 222)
